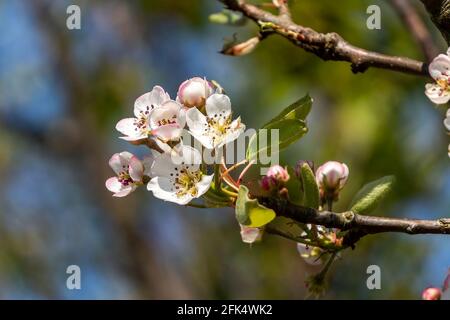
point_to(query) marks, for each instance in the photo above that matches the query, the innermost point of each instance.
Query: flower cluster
(175, 173)
(439, 92)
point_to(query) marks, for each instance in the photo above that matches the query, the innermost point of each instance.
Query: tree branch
(439, 11)
(419, 30)
(328, 46)
(357, 225)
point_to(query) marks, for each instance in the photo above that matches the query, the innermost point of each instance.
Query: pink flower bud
(194, 92)
(251, 235)
(331, 178)
(267, 183)
(276, 176)
(278, 173)
(431, 294)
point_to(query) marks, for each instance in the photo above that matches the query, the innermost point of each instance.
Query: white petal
(125, 191)
(198, 127)
(232, 134)
(218, 104)
(149, 101)
(169, 111)
(158, 96)
(204, 185)
(439, 68)
(147, 162)
(190, 156)
(113, 184)
(161, 188)
(128, 128)
(196, 121)
(164, 166)
(119, 161)
(435, 94)
(136, 169)
(447, 123)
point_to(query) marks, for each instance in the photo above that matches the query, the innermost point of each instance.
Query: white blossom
(216, 128)
(439, 69)
(178, 178)
(138, 128)
(130, 172)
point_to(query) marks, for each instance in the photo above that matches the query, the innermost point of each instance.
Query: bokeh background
(62, 92)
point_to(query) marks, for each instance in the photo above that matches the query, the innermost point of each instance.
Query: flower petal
(236, 129)
(136, 169)
(119, 161)
(218, 105)
(129, 129)
(125, 191)
(435, 93)
(439, 68)
(198, 127)
(149, 101)
(204, 184)
(161, 189)
(113, 184)
(147, 162)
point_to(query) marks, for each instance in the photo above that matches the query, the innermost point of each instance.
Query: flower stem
(217, 177)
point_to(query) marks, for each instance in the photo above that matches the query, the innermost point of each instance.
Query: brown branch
(415, 24)
(357, 225)
(439, 11)
(328, 46)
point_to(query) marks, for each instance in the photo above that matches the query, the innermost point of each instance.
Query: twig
(357, 225)
(328, 46)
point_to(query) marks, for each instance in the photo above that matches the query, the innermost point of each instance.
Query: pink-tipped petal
(136, 169)
(113, 184)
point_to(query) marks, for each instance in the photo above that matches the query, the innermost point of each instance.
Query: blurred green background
(62, 92)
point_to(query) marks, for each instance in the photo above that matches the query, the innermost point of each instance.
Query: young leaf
(311, 190)
(289, 131)
(371, 195)
(249, 212)
(298, 110)
(294, 187)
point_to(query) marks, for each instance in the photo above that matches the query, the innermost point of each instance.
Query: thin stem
(244, 171)
(230, 193)
(217, 177)
(228, 170)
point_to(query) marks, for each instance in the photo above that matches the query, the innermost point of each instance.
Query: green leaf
(228, 17)
(289, 131)
(294, 187)
(368, 198)
(311, 190)
(249, 212)
(298, 110)
(291, 123)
